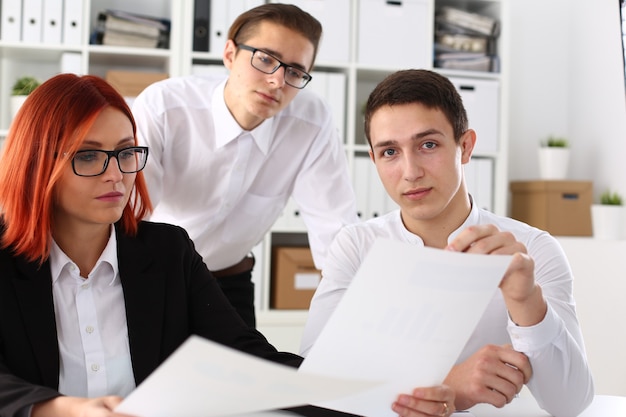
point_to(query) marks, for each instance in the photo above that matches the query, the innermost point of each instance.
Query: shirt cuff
(534, 338)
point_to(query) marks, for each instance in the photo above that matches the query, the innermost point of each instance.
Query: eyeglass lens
(268, 64)
(95, 162)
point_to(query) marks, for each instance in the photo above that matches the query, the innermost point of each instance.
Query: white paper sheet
(204, 379)
(404, 319)
(289, 414)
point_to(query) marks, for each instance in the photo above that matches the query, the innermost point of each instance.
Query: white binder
(485, 183)
(294, 215)
(379, 202)
(32, 15)
(11, 24)
(73, 22)
(282, 222)
(394, 33)
(334, 15)
(336, 96)
(372, 199)
(52, 22)
(479, 181)
(208, 69)
(331, 86)
(360, 180)
(222, 15)
(290, 219)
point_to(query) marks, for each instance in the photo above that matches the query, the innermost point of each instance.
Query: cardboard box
(562, 208)
(131, 83)
(294, 278)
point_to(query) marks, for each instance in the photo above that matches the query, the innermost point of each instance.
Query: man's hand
(493, 375)
(523, 297)
(486, 239)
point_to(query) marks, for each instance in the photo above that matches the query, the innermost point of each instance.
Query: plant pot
(607, 221)
(553, 163)
(16, 103)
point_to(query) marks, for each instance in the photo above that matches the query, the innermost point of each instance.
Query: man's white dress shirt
(561, 380)
(227, 186)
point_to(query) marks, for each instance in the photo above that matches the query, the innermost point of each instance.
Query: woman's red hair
(49, 128)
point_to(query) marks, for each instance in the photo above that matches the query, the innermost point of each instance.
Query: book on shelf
(120, 28)
(482, 63)
(473, 22)
(114, 38)
(118, 24)
(463, 43)
(444, 55)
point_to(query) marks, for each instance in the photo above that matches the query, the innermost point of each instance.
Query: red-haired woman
(92, 299)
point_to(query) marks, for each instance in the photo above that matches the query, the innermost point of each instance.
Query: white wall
(599, 287)
(567, 78)
(597, 122)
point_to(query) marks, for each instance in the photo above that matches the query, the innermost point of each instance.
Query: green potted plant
(22, 87)
(607, 216)
(554, 158)
(609, 198)
(556, 142)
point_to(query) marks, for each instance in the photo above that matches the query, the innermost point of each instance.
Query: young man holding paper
(419, 139)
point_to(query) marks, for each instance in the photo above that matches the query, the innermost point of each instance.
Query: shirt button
(89, 329)
(95, 367)
(84, 286)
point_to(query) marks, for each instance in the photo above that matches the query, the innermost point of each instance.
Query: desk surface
(602, 406)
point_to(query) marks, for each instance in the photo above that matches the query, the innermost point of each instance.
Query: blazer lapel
(33, 288)
(144, 294)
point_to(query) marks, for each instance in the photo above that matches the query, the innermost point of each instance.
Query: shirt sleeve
(332, 204)
(561, 382)
(340, 268)
(150, 132)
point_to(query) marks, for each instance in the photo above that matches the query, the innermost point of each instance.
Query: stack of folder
(465, 40)
(119, 28)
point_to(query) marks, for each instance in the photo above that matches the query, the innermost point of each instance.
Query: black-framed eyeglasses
(94, 162)
(269, 64)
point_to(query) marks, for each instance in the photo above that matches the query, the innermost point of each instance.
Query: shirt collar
(472, 218)
(59, 260)
(227, 129)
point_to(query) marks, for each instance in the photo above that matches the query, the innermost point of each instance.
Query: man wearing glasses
(226, 154)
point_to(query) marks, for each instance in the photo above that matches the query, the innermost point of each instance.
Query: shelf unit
(44, 60)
